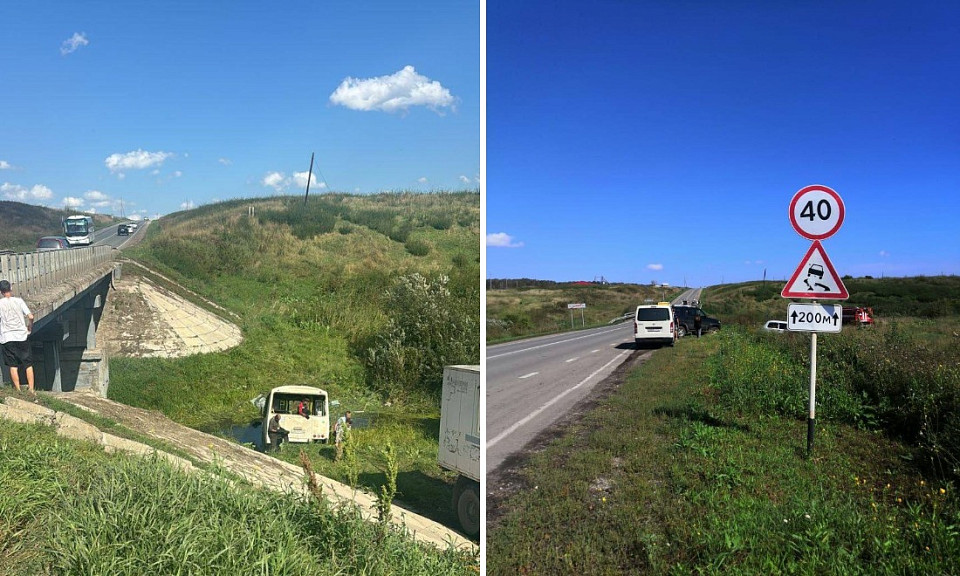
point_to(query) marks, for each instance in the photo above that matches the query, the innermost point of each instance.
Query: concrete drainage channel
(257, 468)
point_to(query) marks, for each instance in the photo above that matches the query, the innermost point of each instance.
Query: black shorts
(17, 353)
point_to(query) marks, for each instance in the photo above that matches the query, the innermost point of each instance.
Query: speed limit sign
(816, 212)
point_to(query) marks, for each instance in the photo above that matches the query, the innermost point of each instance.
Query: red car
(48, 243)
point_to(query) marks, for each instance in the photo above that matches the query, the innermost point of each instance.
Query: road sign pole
(811, 421)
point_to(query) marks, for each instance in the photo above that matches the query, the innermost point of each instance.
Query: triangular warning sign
(815, 278)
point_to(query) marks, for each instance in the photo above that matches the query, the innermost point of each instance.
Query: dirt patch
(508, 479)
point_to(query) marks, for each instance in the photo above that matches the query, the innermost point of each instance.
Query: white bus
(78, 229)
(285, 400)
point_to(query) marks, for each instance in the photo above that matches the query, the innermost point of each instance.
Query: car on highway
(686, 318)
(47, 243)
(123, 230)
(775, 326)
(654, 324)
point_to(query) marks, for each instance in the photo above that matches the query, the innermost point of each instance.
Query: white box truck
(460, 441)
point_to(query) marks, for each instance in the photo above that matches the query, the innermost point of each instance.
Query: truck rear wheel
(466, 501)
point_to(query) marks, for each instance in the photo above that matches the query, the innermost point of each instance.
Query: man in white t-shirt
(16, 322)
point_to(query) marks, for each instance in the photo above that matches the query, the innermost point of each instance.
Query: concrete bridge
(66, 291)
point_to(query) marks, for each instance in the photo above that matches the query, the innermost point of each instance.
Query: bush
(428, 329)
(885, 377)
(417, 247)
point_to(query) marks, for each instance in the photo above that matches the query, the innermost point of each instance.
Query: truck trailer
(460, 441)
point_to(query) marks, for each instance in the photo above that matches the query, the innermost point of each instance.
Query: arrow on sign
(814, 317)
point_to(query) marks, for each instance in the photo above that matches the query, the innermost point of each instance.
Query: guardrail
(33, 272)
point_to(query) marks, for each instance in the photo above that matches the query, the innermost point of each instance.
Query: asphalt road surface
(108, 235)
(533, 383)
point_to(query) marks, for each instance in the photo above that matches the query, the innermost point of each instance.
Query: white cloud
(72, 202)
(396, 92)
(275, 180)
(4, 165)
(136, 160)
(884, 253)
(96, 196)
(74, 42)
(188, 205)
(654, 266)
(422, 179)
(502, 240)
(22, 194)
(464, 179)
(225, 161)
(300, 180)
(177, 174)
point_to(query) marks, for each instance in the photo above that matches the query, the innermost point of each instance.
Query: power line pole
(309, 178)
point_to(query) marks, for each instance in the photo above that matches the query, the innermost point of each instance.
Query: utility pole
(309, 178)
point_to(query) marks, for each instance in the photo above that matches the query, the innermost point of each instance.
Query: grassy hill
(366, 297)
(21, 224)
(71, 508)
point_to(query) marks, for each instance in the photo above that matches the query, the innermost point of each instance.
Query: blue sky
(170, 105)
(664, 140)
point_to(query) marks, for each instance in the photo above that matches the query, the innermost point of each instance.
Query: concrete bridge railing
(35, 272)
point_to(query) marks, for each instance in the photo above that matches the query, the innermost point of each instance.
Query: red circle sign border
(831, 192)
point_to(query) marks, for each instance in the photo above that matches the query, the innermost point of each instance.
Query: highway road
(531, 384)
(108, 235)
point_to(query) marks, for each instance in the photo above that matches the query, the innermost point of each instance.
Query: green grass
(69, 508)
(421, 484)
(681, 472)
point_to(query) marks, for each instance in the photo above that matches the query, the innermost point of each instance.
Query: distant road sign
(576, 306)
(816, 212)
(815, 278)
(814, 317)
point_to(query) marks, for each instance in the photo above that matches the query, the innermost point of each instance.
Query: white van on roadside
(654, 324)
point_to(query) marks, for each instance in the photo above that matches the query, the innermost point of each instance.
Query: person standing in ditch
(16, 323)
(698, 323)
(276, 432)
(340, 433)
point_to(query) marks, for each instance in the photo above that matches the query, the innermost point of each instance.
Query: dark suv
(686, 318)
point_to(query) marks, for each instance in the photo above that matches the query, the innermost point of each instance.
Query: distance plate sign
(814, 317)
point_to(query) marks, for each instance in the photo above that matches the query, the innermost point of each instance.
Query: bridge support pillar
(65, 353)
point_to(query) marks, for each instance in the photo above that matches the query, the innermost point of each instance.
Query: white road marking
(553, 343)
(594, 351)
(527, 375)
(552, 401)
(572, 360)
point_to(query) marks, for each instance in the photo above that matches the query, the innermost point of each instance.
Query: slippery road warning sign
(815, 278)
(814, 317)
